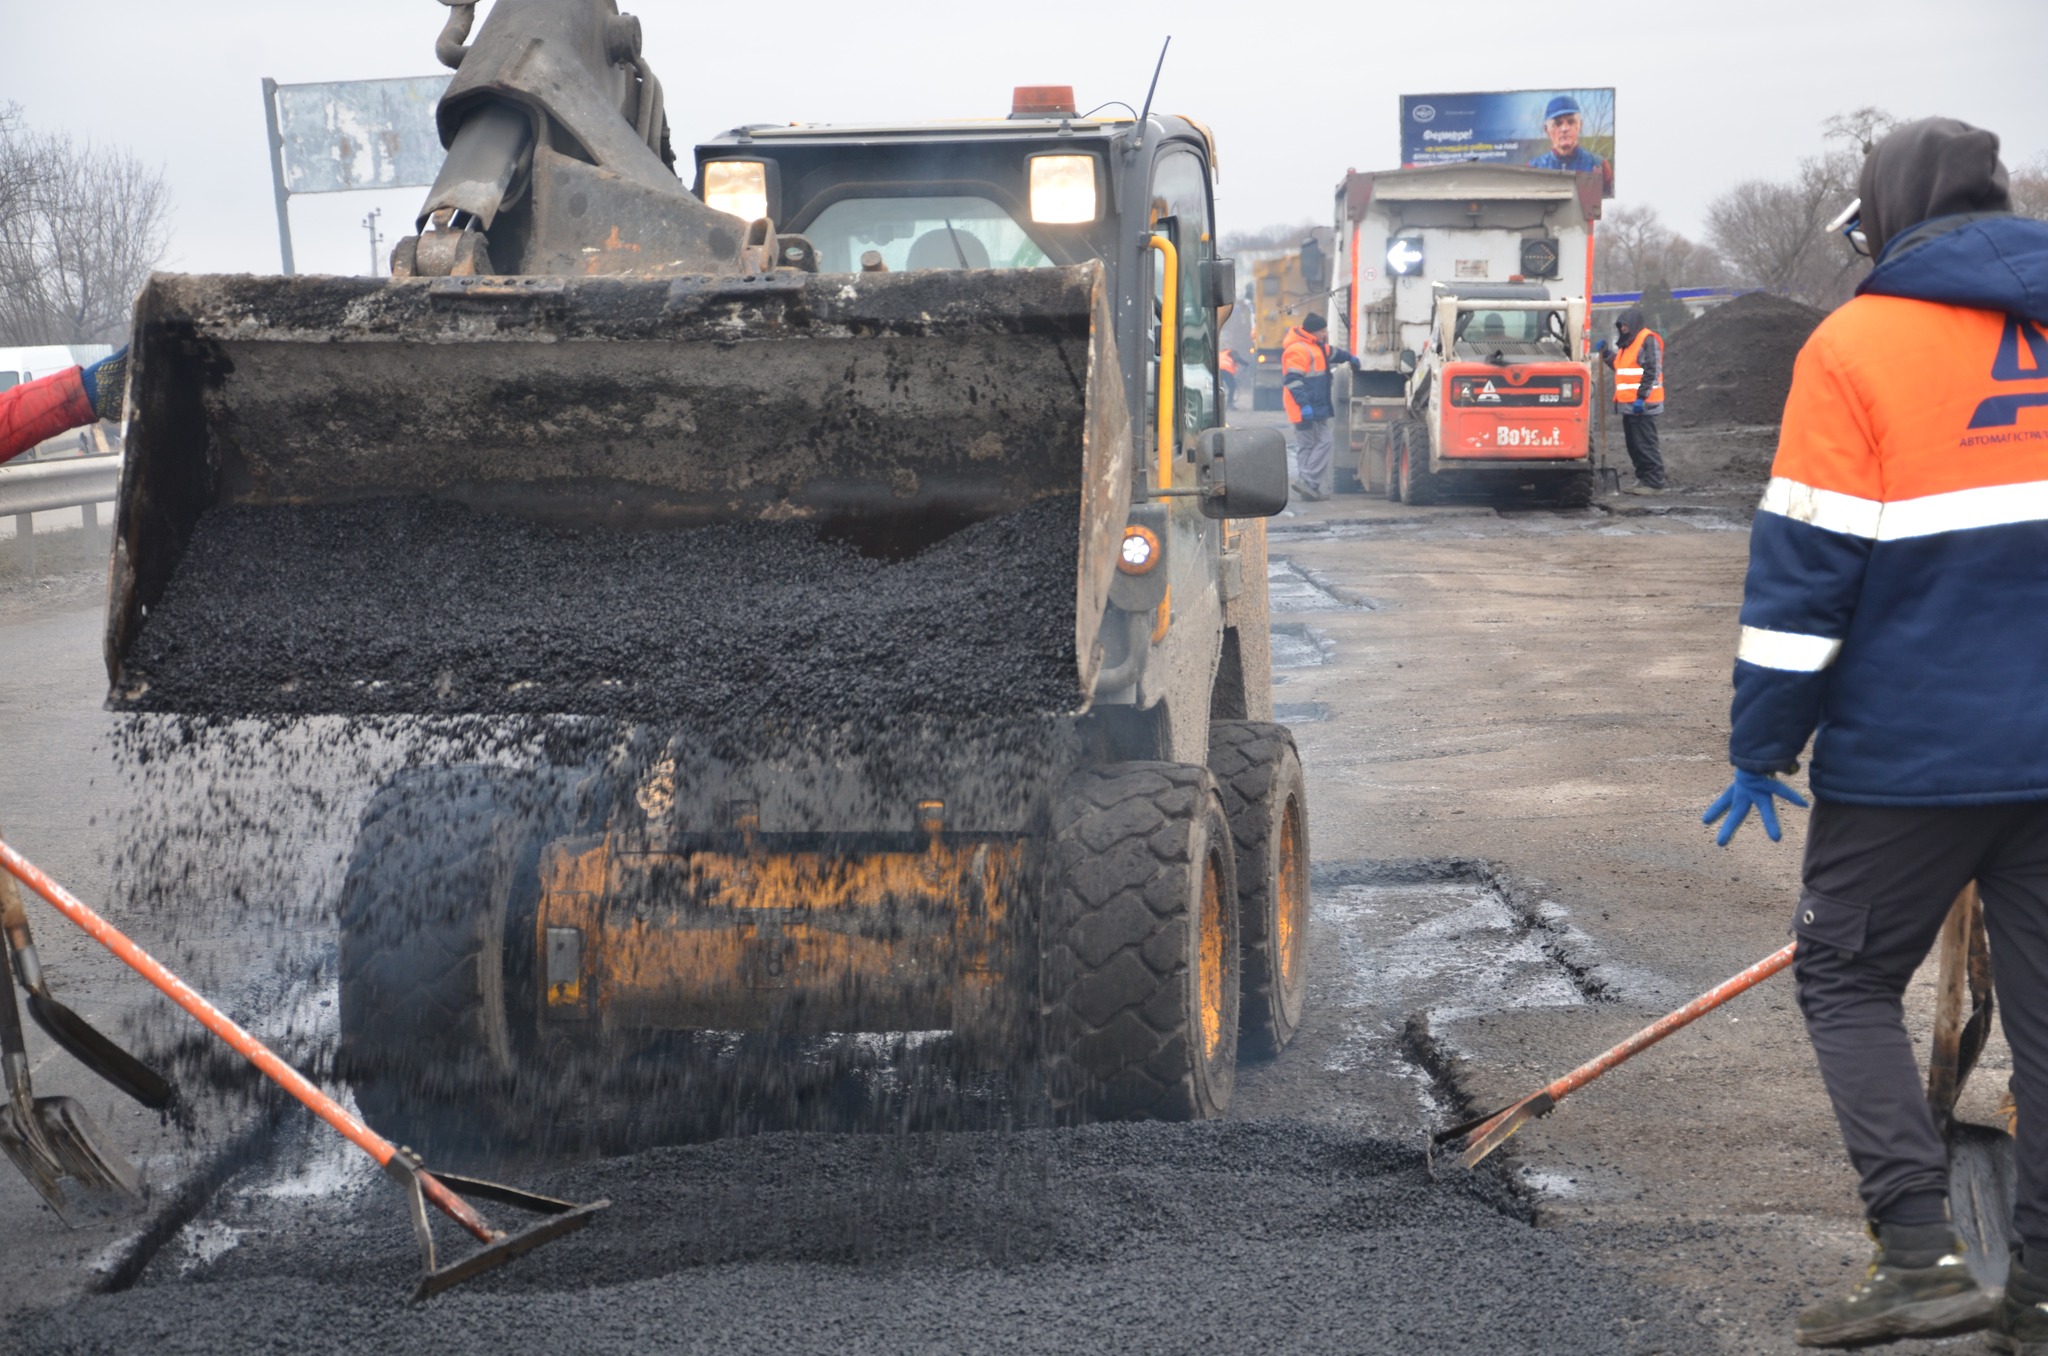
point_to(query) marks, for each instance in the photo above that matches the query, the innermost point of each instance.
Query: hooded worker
(70, 399)
(1637, 358)
(1898, 577)
(1305, 358)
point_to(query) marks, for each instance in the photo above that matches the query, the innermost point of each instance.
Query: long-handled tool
(422, 1187)
(1981, 1163)
(66, 1027)
(51, 1138)
(1481, 1136)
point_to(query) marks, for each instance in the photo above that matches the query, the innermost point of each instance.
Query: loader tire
(1418, 482)
(1266, 800)
(1397, 439)
(1575, 489)
(435, 958)
(1141, 953)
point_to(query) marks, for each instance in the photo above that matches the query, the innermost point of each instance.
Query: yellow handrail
(1169, 354)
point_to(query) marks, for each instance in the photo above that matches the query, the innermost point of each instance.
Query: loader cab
(1025, 192)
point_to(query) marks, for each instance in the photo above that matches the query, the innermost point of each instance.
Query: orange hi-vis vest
(1628, 371)
(1303, 352)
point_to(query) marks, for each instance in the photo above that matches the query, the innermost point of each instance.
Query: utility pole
(376, 242)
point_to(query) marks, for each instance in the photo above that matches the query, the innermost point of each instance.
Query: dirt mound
(1734, 364)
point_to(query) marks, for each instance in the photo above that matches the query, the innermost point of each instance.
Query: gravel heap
(1271, 1236)
(421, 606)
(1734, 364)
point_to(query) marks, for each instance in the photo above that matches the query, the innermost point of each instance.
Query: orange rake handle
(223, 1026)
(1656, 1031)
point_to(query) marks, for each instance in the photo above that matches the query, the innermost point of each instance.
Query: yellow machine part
(794, 940)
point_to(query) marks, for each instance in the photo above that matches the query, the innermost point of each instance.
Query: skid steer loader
(886, 333)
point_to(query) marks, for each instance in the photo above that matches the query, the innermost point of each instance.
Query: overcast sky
(1708, 94)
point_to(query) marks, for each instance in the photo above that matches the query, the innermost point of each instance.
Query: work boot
(1640, 488)
(2020, 1323)
(1918, 1285)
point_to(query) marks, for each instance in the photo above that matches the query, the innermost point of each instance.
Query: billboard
(1569, 129)
(360, 134)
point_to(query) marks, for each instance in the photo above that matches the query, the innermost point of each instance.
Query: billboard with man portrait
(1568, 129)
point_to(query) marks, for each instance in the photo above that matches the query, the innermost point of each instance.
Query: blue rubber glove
(1750, 788)
(1599, 345)
(1640, 407)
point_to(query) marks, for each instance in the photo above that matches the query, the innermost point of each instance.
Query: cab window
(1180, 207)
(921, 232)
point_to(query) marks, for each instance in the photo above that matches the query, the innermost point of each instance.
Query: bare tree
(80, 229)
(1635, 250)
(2030, 188)
(1276, 237)
(1861, 128)
(1774, 234)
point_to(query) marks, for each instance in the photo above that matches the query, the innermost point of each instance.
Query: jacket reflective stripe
(1787, 650)
(1926, 516)
(1830, 510)
(1961, 510)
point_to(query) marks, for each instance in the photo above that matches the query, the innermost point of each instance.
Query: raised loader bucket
(308, 458)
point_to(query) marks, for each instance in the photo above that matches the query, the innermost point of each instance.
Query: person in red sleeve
(1893, 612)
(48, 406)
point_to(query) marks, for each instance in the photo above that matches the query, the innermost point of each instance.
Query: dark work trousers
(1879, 882)
(1645, 449)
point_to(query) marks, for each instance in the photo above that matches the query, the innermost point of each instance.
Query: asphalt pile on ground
(420, 606)
(1734, 364)
(1131, 1238)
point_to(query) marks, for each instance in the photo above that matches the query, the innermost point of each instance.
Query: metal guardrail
(71, 482)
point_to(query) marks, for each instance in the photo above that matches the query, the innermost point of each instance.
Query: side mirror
(1312, 274)
(1245, 472)
(1219, 281)
(1406, 362)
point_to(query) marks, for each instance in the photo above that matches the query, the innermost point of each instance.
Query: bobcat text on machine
(891, 332)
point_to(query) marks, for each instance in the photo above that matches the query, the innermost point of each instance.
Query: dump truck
(1404, 240)
(885, 337)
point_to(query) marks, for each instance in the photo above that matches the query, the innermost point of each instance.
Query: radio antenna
(1155, 84)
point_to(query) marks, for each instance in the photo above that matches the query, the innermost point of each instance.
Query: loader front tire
(1259, 772)
(1141, 957)
(1418, 482)
(435, 957)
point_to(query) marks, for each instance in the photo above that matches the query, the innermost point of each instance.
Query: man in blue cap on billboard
(1562, 122)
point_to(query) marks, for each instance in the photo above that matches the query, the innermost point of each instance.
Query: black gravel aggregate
(1273, 1236)
(428, 607)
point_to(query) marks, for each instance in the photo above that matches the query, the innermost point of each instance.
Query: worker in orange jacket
(1898, 578)
(1305, 392)
(69, 399)
(1638, 363)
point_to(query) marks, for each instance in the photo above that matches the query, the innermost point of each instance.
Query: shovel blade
(64, 1142)
(31, 1152)
(99, 1054)
(1982, 1174)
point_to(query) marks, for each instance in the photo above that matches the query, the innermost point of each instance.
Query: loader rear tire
(1259, 772)
(1397, 439)
(1141, 951)
(435, 957)
(1575, 489)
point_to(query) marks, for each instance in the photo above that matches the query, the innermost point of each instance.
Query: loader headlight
(737, 186)
(1140, 550)
(1062, 189)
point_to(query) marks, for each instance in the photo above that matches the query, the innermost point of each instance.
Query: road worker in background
(70, 399)
(1638, 362)
(1898, 582)
(1305, 357)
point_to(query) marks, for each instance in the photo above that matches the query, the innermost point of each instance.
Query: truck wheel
(1397, 439)
(1259, 771)
(1141, 951)
(435, 956)
(1575, 489)
(1418, 483)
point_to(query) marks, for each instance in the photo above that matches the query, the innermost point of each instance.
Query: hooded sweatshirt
(1898, 575)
